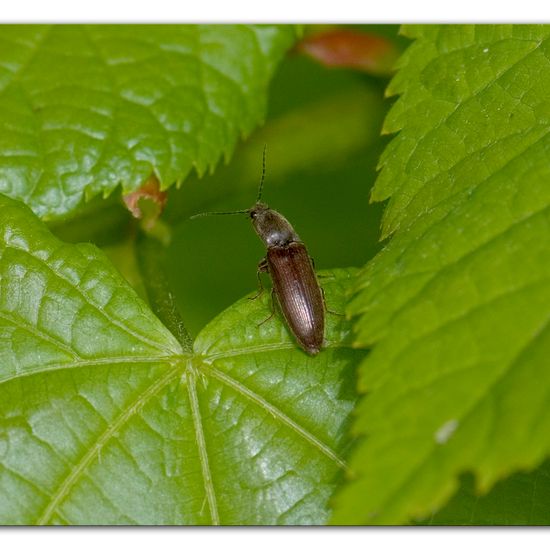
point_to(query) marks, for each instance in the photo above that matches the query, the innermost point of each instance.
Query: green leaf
(86, 108)
(104, 420)
(457, 304)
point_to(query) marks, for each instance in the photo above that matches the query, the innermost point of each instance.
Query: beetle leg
(326, 308)
(320, 275)
(262, 268)
(323, 275)
(272, 308)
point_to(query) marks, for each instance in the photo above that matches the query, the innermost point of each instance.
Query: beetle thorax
(273, 228)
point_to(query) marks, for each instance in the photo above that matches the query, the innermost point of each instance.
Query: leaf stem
(150, 255)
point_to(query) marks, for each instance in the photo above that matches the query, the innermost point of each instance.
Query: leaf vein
(260, 401)
(464, 315)
(201, 445)
(466, 102)
(88, 458)
(23, 325)
(170, 359)
(434, 274)
(111, 320)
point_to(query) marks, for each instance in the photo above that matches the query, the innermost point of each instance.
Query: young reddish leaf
(351, 49)
(149, 194)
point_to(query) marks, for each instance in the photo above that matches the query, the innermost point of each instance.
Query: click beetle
(287, 261)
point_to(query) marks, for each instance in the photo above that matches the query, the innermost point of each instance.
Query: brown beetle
(295, 284)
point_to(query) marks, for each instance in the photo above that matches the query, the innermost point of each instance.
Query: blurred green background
(323, 142)
(322, 132)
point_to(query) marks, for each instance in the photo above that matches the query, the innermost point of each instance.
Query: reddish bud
(149, 195)
(351, 49)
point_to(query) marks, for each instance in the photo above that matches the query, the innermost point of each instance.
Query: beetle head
(273, 228)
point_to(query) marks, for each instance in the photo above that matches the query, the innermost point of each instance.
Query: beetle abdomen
(298, 293)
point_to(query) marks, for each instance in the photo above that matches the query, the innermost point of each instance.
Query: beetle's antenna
(263, 176)
(238, 211)
(218, 214)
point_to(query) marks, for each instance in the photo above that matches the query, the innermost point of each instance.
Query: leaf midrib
(181, 365)
(206, 469)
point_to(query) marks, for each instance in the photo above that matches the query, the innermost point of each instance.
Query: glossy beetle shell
(294, 282)
(298, 293)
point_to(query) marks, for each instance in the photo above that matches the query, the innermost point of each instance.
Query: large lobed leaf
(86, 108)
(105, 420)
(457, 305)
